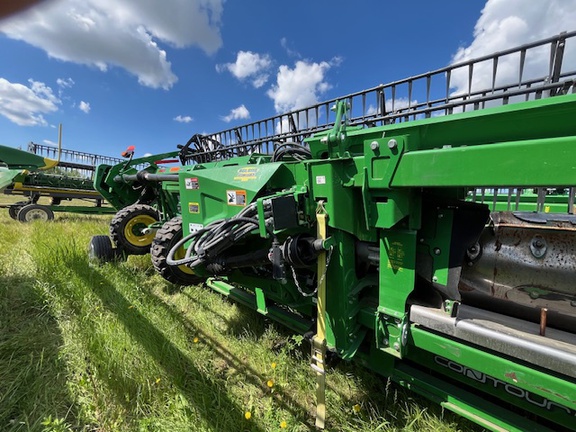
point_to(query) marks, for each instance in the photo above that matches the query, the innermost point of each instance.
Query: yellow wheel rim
(133, 231)
(179, 254)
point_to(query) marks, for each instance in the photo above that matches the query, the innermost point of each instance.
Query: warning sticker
(246, 173)
(320, 180)
(193, 227)
(192, 183)
(194, 207)
(236, 197)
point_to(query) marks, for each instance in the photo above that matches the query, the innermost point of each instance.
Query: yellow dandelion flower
(356, 408)
(157, 380)
(273, 365)
(196, 340)
(270, 383)
(283, 424)
(247, 415)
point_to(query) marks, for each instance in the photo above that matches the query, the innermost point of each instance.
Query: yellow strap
(319, 342)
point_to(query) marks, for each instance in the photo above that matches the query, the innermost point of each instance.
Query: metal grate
(83, 163)
(509, 76)
(536, 199)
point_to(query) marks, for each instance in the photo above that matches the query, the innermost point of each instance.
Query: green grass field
(116, 348)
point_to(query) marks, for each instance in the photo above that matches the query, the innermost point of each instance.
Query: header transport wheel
(100, 249)
(166, 237)
(32, 212)
(128, 229)
(15, 208)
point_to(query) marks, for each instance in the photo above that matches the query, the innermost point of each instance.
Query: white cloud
(183, 119)
(299, 87)
(104, 33)
(249, 65)
(508, 23)
(237, 113)
(25, 105)
(286, 45)
(65, 82)
(84, 106)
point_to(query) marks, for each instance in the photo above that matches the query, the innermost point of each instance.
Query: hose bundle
(214, 239)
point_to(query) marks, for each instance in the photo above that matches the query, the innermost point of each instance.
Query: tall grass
(116, 348)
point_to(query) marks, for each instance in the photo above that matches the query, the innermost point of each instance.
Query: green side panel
(249, 299)
(348, 207)
(549, 396)
(15, 158)
(7, 176)
(397, 271)
(545, 118)
(222, 191)
(518, 163)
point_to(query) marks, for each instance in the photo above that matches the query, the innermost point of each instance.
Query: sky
(153, 73)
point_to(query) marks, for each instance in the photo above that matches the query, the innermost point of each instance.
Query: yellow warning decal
(194, 207)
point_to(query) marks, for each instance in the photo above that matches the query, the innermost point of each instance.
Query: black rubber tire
(15, 208)
(131, 240)
(32, 212)
(166, 237)
(100, 249)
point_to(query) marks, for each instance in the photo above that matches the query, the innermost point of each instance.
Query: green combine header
(391, 226)
(59, 175)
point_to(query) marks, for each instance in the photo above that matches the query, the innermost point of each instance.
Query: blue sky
(152, 73)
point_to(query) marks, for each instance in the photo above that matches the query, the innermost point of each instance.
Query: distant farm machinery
(395, 226)
(34, 175)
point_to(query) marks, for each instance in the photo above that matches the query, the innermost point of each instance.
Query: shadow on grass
(184, 375)
(250, 375)
(247, 322)
(32, 371)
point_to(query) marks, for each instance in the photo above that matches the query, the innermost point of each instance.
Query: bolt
(396, 346)
(434, 279)
(374, 145)
(392, 144)
(385, 341)
(437, 251)
(538, 243)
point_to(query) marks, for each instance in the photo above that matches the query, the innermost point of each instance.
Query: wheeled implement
(361, 225)
(33, 174)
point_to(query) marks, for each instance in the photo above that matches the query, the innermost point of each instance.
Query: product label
(320, 180)
(246, 174)
(194, 207)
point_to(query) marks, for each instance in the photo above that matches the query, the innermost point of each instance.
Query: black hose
(211, 241)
